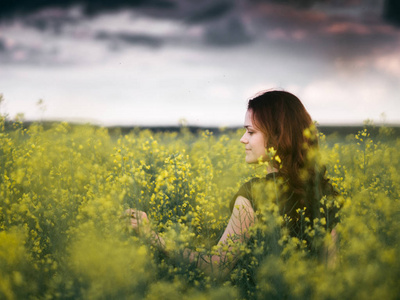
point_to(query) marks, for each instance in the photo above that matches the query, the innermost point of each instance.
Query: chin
(250, 161)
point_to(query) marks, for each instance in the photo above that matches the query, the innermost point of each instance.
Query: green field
(63, 189)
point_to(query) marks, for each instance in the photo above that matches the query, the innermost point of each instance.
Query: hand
(138, 220)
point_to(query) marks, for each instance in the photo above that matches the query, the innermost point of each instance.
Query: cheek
(261, 142)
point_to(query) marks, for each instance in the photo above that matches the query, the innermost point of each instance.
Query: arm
(219, 264)
(332, 250)
(236, 232)
(139, 221)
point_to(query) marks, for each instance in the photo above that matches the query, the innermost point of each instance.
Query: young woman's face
(254, 140)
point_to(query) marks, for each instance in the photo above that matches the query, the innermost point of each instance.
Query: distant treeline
(339, 130)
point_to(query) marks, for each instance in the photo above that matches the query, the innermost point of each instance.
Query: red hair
(283, 119)
(288, 127)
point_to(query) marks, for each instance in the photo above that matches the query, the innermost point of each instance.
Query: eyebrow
(247, 126)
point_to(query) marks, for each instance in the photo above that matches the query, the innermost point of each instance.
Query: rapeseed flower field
(63, 191)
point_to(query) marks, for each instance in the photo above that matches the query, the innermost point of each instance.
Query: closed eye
(249, 131)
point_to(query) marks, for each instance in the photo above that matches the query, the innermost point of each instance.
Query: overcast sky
(157, 64)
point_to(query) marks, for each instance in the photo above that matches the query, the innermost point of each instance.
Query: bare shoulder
(242, 203)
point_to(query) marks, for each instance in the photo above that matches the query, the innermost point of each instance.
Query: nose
(243, 139)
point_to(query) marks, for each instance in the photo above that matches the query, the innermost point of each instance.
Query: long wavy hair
(283, 120)
(289, 129)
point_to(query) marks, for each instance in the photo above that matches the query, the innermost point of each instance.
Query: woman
(275, 120)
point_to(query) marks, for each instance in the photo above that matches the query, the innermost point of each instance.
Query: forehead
(248, 119)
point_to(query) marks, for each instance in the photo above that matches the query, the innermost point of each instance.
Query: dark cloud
(11, 8)
(296, 3)
(52, 20)
(333, 27)
(2, 45)
(391, 11)
(190, 11)
(330, 30)
(348, 44)
(212, 11)
(98, 6)
(129, 38)
(228, 33)
(267, 17)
